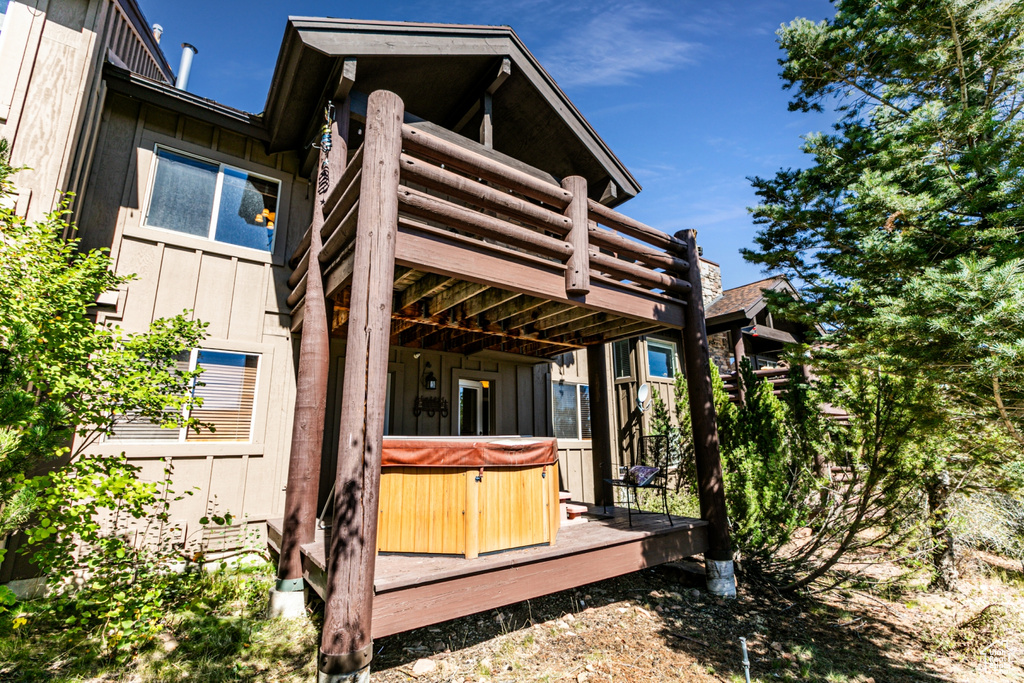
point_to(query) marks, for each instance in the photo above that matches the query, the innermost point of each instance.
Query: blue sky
(686, 93)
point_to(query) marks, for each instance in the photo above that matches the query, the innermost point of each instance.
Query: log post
(577, 268)
(710, 487)
(345, 646)
(299, 527)
(600, 422)
(738, 353)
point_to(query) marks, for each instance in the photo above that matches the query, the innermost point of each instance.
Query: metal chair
(648, 470)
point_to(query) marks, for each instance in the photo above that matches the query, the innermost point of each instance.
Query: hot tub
(467, 495)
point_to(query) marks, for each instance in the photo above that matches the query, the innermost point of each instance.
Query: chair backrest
(653, 452)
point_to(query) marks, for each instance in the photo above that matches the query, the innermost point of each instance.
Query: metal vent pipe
(158, 31)
(187, 52)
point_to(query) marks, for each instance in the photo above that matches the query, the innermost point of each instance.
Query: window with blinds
(620, 359)
(227, 387)
(571, 411)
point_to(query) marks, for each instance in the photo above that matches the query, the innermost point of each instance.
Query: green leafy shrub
(104, 539)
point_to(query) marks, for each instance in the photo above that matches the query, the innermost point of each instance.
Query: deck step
(573, 510)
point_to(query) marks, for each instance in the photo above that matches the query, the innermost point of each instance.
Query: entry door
(472, 407)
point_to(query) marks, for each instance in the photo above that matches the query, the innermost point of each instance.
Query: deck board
(412, 591)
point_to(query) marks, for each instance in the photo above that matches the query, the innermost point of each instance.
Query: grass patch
(219, 634)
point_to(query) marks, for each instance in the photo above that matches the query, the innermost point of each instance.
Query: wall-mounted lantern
(429, 381)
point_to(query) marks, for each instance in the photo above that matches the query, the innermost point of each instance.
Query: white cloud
(618, 44)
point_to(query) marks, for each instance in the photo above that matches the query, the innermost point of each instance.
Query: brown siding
(238, 292)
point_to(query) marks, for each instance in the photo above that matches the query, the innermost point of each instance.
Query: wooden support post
(577, 268)
(710, 487)
(345, 647)
(738, 354)
(601, 423)
(302, 489)
(486, 124)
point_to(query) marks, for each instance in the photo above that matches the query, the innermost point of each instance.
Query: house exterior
(446, 262)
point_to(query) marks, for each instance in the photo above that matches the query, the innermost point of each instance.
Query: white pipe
(158, 31)
(187, 52)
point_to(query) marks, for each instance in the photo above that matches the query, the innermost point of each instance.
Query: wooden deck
(419, 590)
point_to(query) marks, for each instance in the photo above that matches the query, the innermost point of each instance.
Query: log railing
(777, 377)
(447, 186)
(341, 206)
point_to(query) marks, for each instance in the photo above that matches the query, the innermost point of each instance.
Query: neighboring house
(465, 238)
(740, 325)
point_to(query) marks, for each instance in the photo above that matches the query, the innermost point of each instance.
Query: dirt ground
(650, 627)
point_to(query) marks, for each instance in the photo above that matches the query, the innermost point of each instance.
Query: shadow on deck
(411, 591)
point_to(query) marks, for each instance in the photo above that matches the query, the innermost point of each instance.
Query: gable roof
(440, 70)
(745, 301)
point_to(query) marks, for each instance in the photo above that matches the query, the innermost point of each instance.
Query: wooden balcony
(497, 256)
(411, 591)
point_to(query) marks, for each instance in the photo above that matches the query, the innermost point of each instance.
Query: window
(620, 359)
(228, 389)
(661, 358)
(212, 201)
(571, 410)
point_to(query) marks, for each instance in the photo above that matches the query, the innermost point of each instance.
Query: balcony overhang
(440, 71)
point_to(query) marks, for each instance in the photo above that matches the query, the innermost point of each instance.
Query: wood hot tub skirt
(467, 495)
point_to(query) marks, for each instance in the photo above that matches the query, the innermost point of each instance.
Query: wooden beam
(767, 332)
(346, 646)
(610, 193)
(601, 421)
(652, 257)
(404, 277)
(436, 250)
(488, 86)
(642, 275)
(424, 288)
(555, 323)
(577, 267)
(453, 296)
(435, 178)
(624, 332)
(309, 414)
(474, 222)
(697, 355)
(347, 78)
(486, 123)
(429, 146)
(634, 228)
(532, 316)
(485, 301)
(520, 304)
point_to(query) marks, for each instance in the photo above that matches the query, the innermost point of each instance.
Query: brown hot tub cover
(468, 451)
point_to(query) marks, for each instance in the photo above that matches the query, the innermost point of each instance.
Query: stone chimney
(710, 280)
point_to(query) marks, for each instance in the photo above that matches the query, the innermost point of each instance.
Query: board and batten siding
(240, 293)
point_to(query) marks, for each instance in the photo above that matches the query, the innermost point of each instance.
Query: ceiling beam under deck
(405, 277)
(622, 333)
(424, 288)
(453, 296)
(520, 304)
(473, 311)
(547, 310)
(573, 315)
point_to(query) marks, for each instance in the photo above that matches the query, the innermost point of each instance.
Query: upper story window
(214, 201)
(661, 358)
